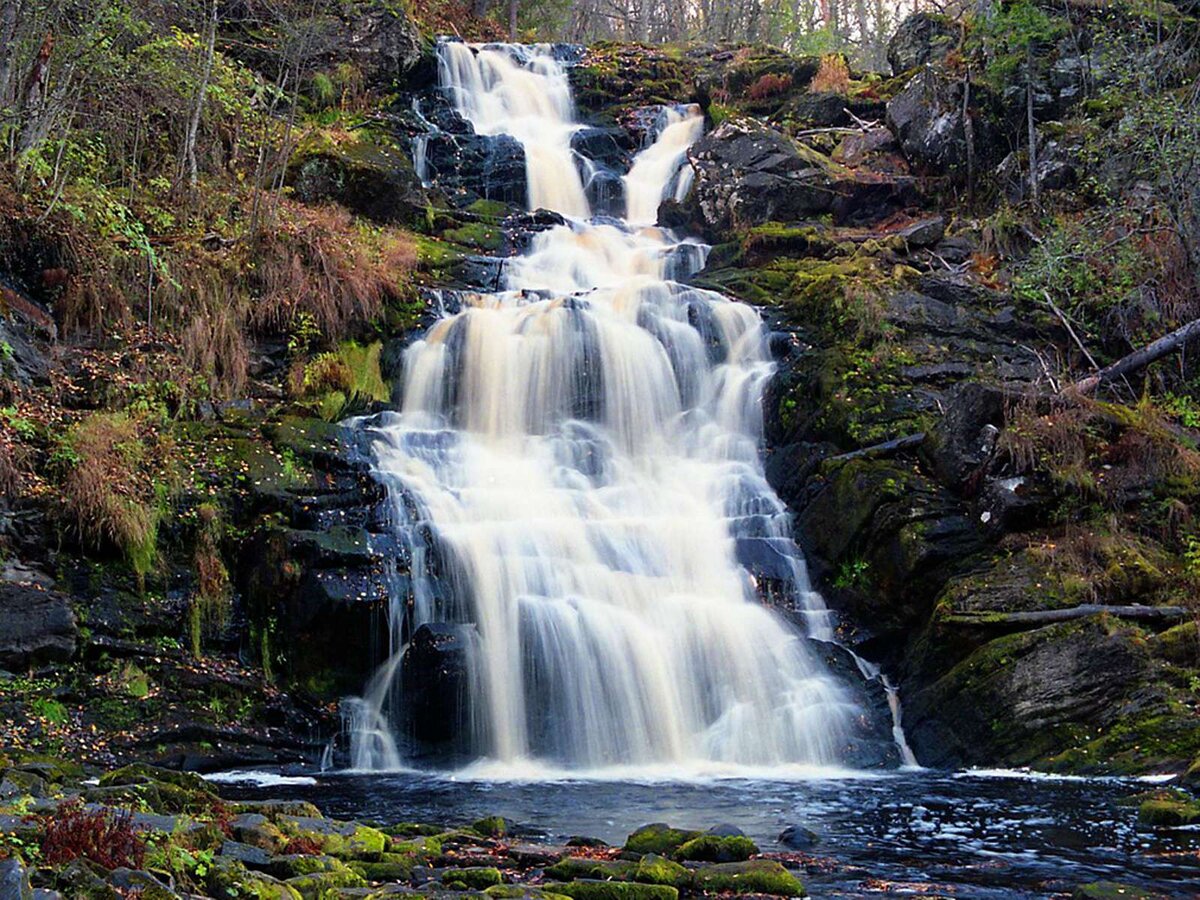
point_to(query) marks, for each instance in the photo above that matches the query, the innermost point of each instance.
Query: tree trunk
(1033, 163)
(187, 163)
(512, 20)
(480, 9)
(1139, 359)
(1036, 619)
(9, 15)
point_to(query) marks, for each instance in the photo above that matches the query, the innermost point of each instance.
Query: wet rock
(340, 839)
(141, 884)
(14, 881)
(921, 38)
(798, 837)
(469, 167)
(960, 444)
(573, 867)
(436, 684)
(36, 627)
(1168, 813)
(471, 878)
(655, 869)
(1111, 890)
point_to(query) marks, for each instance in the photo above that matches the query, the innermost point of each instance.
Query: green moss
(472, 878)
(521, 892)
(491, 826)
(658, 838)
(226, 878)
(572, 867)
(413, 829)
(481, 236)
(655, 869)
(347, 840)
(1167, 813)
(614, 890)
(717, 848)
(1111, 890)
(494, 209)
(758, 876)
(292, 865)
(326, 885)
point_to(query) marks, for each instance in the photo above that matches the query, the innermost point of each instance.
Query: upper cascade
(575, 475)
(521, 91)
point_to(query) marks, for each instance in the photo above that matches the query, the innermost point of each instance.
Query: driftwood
(1139, 359)
(887, 448)
(1164, 614)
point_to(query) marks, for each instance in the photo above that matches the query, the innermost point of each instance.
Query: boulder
(658, 838)
(756, 876)
(798, 837)
(927, 119)
(36, 627)
(749, 174)
(385, 43)
(921, 38)
(376, 181)
(14, 881)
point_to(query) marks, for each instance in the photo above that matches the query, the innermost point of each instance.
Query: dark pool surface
(954, 834)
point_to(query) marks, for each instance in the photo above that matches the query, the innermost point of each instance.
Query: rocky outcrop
(749, 174)
(372, 178)
(36, 627)
(921, 38)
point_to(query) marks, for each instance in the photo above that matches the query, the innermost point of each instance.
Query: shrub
(833, 75)
(105, 837)
(770, 85)
(214, 346)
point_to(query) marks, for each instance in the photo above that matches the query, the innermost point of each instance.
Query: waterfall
(575, 472)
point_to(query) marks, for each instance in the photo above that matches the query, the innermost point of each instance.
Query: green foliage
(50, 710)
(852, 573)
(1014, 34)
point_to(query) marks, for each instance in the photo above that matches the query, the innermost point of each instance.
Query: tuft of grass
(833, 76)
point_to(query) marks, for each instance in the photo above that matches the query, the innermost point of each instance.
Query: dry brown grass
(210, 605)
(320, 262)
(112, 468)
(770, 85)
(833, 76)
(214, 346)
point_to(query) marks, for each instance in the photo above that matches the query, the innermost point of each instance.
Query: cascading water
(575, 471)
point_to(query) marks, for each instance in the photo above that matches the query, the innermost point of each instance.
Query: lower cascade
(575, 477)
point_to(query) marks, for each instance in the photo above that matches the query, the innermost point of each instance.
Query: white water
(574, 464)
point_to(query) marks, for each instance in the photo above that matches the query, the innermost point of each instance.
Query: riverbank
(142, 831)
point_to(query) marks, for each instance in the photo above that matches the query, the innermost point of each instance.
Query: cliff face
(1020, 557)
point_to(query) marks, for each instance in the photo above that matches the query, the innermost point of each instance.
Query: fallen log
(1139, 359)
(887, 448)
(1138, 613)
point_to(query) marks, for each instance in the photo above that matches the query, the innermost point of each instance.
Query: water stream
(575, 471)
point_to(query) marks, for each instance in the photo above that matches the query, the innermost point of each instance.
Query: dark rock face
(1019, 696)
(927, 120)
(374, 181)
(470, 167)
(921, 38)
(436, 684)
(748, 174)
(386, 44)
(36, 627)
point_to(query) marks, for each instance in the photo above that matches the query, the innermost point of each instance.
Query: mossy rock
(716, 848)
(226, 878)
(521, 892)
(273, 809)
(573, 867)
(757, 876)
(492, 826)
(383, 871)
(152, 796)
(655, 869)
(614, 890)
(472, 878)
(140, 773)
(659, 838)
(1111, 890)
(1168, 813)
(413, 829)
(480, 235)
(326, 885)
(51, 768)
(347, 840)
(294, 864)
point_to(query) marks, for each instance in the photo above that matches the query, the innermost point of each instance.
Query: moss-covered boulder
(1111, 890)
(227, 878)
(493, 826)
(471, 878)
(1167, 812)
(614, 890)
(757, 876)
(347, 840)
(290, 865)
(716, 848)
(658, 838)
(573, 867)
(326, 885)
(655, 869)
(141, 773)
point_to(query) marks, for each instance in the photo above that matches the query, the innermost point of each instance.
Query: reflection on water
(972, 834)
